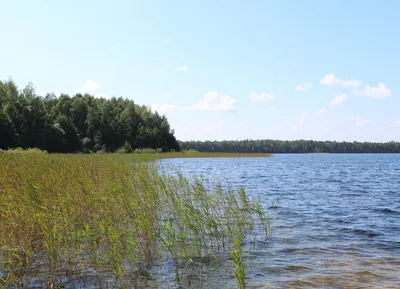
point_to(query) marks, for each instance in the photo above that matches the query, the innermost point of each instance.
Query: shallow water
(336, 218)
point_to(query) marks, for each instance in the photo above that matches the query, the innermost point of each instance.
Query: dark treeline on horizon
(296, 146)
(79, 123)
(83, 123)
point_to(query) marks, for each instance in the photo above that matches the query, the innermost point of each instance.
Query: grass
(237, 258)
(151, 154)
(194, 154)
(64, 215)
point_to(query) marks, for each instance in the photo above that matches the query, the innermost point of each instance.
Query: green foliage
(79, 123)
(190, 151)
(25, 151)
(125, 149)
(237, 258)
(147, 151)
(8, 134)
(297, 146)
(66, 215)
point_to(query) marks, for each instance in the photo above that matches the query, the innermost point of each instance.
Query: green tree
(8, 134)
(78, 123)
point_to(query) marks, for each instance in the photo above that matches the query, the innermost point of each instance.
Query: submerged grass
(194, 154)
(64, 215)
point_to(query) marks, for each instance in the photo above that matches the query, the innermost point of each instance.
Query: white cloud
(261, 97)
(360, 121)
(381, 91)
(304, 87)
(322, 111)
(90, 87)
(339, 99)
(212, 101)
(331, 79)
(164, 107)
(183, 67)
(303, 118)
(375, 92)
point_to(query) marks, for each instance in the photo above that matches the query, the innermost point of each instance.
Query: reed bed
(67, 216)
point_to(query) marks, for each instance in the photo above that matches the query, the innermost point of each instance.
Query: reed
(237, 258)
(64, 215)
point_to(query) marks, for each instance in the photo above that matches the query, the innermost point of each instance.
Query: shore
(171, 155)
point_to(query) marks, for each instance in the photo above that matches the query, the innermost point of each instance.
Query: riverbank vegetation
(109, 219)
(152, 155)
(296, 146)
(78, 123)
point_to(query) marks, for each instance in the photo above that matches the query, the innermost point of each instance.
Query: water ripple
(336, 218)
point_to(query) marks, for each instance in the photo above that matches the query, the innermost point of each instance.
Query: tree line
(296, 146)
(78, 123)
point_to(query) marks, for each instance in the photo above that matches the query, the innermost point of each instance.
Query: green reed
(66, 214)
(237, 258)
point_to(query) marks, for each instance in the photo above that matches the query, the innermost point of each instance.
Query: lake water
(336, 217)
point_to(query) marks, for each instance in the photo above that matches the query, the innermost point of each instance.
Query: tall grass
(64, 215)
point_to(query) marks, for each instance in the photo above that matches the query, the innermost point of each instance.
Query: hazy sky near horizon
(311, 69)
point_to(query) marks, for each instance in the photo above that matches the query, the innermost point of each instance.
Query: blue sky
(324, 70)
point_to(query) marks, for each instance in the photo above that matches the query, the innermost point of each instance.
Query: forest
(78, 123)
(83, 123)
(296, 146)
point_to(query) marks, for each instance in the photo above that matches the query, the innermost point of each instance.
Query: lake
(336, 217)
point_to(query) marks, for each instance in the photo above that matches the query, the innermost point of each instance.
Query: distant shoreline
(296, 146)
(210, 155)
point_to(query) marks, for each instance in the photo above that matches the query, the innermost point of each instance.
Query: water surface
(336, 217)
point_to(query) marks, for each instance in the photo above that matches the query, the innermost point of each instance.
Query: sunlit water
(336, 222)
(336, 218)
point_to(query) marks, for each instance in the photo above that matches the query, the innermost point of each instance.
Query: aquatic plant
(237, 258)
(64, 215)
